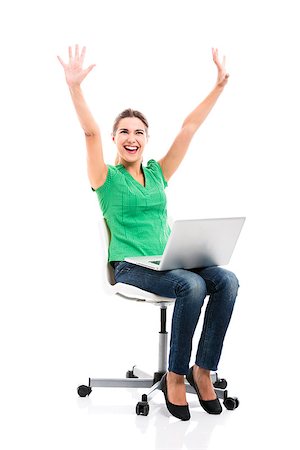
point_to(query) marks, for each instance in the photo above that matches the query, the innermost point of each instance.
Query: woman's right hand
(74, 72)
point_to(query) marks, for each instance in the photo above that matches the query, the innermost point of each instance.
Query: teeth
(131, 148)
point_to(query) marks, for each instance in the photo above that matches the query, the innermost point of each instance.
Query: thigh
(166, 283)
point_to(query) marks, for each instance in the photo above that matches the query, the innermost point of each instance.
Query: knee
(193, 286)
(230, 283)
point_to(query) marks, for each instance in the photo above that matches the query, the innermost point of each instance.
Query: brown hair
(128, 113)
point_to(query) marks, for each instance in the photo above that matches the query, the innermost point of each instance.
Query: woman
(133, 202)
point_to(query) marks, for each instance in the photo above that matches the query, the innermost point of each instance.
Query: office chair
(136, 378)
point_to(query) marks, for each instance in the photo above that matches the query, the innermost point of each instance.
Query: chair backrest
(108, 273)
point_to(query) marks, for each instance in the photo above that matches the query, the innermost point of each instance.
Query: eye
(140, 132)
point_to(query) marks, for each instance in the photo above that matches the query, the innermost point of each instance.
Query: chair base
(137, 378)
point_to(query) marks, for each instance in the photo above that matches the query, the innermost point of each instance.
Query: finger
(82, 54)
(76, 51)
(70, 54)
(89, 69)
(215, 57)
(217, 63)
(61, 61)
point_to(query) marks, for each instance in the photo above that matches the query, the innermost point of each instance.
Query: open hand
(74, 72)
(222, 75)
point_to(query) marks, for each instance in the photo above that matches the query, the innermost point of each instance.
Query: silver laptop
(196, 243)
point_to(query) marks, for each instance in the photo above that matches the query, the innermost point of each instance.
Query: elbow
(88, 133)
(91, 132)
(189, 128)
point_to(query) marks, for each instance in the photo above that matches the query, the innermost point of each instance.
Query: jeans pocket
(122, 267)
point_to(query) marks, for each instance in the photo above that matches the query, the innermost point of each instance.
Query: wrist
(218, 88)
(74, 88)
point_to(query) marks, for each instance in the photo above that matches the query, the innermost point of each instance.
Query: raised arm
(75, 74)
(171, 161)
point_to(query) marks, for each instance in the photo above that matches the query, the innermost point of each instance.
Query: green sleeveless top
(136, 215)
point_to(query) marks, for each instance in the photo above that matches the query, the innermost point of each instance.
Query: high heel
(210, 406)
(180, 411)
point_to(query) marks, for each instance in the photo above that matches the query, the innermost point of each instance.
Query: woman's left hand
(222, 74)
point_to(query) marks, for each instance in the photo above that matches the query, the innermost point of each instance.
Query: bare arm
(171, 161)
(97, 169)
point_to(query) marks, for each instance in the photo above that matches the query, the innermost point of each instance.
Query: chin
(133, 158)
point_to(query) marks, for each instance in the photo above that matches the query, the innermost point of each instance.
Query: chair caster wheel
(83, 390)
(130, 374)
(231, 403)
(142, 408)
(221, 383)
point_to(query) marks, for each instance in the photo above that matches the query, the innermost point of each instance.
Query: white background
(57, 326)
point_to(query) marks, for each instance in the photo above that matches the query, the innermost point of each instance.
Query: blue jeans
(189, 287)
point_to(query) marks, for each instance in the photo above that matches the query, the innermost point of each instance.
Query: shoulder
(156, 169)
(153, 165)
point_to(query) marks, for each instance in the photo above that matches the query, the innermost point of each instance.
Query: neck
(132, 167)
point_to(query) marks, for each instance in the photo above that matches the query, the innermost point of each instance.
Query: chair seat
(135, 293)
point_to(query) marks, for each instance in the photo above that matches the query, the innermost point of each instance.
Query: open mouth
(131, 149)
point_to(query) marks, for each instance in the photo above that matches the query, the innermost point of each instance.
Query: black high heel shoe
(180, 411)
(210, 406)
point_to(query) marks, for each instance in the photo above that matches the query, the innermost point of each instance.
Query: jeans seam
(149, 276)
(206, 327)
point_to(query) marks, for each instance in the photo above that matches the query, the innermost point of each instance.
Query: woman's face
(130, 139)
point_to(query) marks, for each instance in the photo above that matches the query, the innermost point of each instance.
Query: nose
(131, 138)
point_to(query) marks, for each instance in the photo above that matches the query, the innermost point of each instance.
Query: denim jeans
(189, 287)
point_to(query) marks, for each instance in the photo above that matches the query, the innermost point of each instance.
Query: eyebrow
(126, 129)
